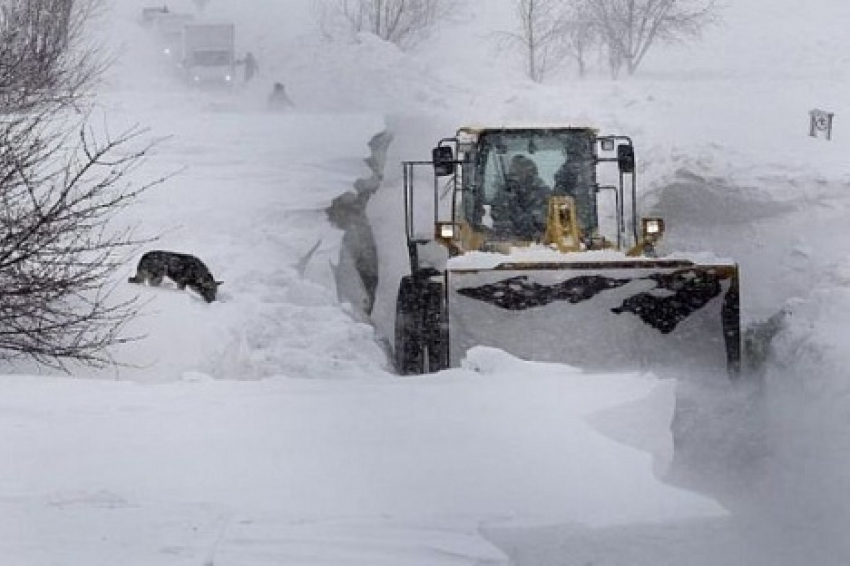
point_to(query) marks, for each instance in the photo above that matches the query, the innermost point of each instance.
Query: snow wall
(356, 273)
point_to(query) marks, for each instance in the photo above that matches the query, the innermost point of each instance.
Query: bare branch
(45, 57)
(629, 28)
(57, 250)
(541, 36)
(62, 187)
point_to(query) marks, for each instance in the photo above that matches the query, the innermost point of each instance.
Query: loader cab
(509, 174)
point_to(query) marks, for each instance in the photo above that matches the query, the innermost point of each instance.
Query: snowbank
(368, 470)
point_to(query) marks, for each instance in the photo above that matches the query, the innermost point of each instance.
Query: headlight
(446, 231)
(653, 227)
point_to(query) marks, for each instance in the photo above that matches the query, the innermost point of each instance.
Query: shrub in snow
(61, 186)
(402, 22)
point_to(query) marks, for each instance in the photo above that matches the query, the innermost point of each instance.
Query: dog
(184, 269)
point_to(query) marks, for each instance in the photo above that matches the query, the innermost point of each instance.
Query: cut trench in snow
(356, 273)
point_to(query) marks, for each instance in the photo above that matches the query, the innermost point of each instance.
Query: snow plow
(528, 239)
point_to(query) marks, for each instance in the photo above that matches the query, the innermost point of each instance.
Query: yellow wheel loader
(544, 256)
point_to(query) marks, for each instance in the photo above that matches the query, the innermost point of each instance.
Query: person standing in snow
(278, 99)
(251, 66)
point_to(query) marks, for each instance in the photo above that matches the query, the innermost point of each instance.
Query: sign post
(820, 121)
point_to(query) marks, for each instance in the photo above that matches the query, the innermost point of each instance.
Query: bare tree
(629, 28)
(61, 189)
(402, 22)
(580, 32)
(540, 36)
(45, 57)
(57, 248)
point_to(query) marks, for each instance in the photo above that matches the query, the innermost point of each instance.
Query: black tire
(436, 327)
(409, 334)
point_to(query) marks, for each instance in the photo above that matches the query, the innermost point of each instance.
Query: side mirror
(626, 158)
(444, 161)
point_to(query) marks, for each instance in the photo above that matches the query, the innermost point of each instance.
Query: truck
(168, 29)
(209, 54)
(550, 261)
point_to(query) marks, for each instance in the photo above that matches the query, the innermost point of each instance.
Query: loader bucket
(608, 315)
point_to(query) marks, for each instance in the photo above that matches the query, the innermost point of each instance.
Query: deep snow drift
(266, 429)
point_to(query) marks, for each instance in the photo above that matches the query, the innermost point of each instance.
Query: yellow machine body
(550, 262)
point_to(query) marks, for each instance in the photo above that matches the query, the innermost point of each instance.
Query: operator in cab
(520, 205)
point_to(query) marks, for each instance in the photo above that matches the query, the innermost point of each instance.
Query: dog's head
(208, 287)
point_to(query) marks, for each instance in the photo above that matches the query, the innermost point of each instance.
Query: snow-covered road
(373, 470)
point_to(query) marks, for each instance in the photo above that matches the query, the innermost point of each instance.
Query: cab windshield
(517, 170)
